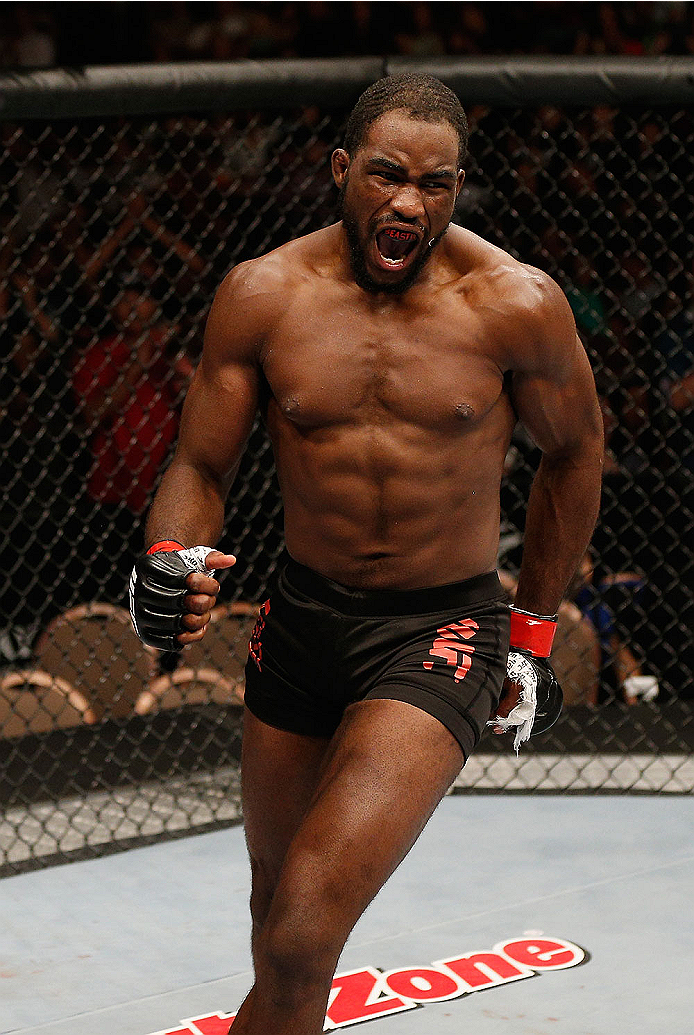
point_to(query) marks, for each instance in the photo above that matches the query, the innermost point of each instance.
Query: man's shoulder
(494, 274)
(257, 293)
(279, 273)
(521, 307)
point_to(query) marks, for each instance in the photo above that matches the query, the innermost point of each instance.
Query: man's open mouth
(395, 245)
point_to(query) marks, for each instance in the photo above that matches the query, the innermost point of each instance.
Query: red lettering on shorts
(449, 645)
(255, 647)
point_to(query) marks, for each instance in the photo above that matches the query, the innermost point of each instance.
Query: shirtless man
(392, 354)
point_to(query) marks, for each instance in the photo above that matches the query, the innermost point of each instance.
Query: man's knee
(298, 954)
(263, 884)
(307, 926)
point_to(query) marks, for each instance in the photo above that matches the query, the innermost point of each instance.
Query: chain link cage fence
(126, 196)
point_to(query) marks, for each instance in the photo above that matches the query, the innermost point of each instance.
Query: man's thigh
(386, 769)
(279, 775)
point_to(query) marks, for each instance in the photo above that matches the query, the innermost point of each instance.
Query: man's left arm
(554, 396)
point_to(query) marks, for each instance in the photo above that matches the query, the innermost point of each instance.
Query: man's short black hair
(422, 96)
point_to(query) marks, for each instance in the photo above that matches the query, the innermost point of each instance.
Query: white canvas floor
(139, 942)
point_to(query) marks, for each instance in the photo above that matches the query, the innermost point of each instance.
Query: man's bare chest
(340, 366)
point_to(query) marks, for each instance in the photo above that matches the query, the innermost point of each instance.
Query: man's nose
(408, 202)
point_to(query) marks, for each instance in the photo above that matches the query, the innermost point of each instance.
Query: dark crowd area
(43, 35)
(115, 235)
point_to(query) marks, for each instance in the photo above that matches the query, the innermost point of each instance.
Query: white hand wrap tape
(520, 670)
(194, 558)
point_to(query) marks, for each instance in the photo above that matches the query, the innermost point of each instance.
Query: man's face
(398, 193)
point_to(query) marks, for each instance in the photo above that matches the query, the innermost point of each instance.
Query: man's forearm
(562, 511)
(188, 507)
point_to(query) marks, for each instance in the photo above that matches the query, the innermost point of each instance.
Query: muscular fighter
(392, 354)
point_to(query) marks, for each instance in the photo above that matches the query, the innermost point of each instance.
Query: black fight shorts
(319, 646)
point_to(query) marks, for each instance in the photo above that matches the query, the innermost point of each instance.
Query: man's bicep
(223, 396)
(560, 408)
(217, 419)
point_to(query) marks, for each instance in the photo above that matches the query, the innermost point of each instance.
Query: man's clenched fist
(172, 593)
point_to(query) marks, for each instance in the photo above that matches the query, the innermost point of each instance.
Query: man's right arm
(172, 593)
(217, 418)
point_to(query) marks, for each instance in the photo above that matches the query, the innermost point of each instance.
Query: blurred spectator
(371, 29)
(682, 401)
(642, 285)
(122, 385)
(576, 651)
(674, 348)
(218, 36)
(74, 34)
(224, 31)
(585, 295)
(172, 26)
(38, 441)
(140, 246)
(642, 28)
(621, 669)
(30, 37)
(272, 32)
(421, 37)
(469, 32)
(126, 392)
(562, 28)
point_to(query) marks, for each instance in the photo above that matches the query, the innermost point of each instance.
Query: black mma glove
(158, 589)
(541, 697)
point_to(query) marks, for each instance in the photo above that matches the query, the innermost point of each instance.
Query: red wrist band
(534, 633)
(165, 546)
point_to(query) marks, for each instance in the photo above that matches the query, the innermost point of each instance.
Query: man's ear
(339, 164)
(460, 182)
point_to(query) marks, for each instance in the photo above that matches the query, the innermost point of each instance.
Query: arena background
(126, 195)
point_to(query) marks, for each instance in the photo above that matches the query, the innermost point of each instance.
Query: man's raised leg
(386, 769)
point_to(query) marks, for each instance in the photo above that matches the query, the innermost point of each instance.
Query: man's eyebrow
(386, 163)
